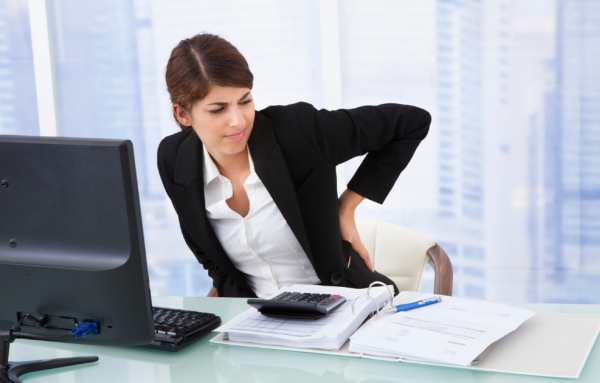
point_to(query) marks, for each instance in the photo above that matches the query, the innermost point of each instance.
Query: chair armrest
(213, 293)
(443, 270)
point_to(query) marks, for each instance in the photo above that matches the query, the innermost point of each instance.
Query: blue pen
(414, 305)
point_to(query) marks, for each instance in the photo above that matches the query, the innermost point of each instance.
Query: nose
(236, 119)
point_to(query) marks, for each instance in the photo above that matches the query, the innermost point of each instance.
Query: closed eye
(223, 108)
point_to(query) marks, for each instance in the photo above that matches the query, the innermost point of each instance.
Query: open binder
(329, 332)
(548, 344)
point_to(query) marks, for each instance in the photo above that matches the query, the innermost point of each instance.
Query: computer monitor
(71, 242)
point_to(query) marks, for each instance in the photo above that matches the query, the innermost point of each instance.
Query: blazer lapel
(271, 167)
(189, 173)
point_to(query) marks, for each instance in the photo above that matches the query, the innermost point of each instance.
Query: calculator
(298, 305)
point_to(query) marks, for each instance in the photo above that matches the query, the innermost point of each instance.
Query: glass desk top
(205, 362)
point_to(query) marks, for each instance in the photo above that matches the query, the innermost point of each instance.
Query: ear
(182, 115)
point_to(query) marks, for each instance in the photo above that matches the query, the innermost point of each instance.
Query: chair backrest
(396, 252)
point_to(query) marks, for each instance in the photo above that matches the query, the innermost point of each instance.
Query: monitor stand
(10, 371)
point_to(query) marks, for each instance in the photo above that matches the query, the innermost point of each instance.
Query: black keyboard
(298, 305)
(177, 329)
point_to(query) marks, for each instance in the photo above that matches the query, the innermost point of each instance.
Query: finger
(362, 251)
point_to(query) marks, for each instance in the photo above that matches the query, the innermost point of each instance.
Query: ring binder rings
(371, 298)
(368, 295)
(378, 283)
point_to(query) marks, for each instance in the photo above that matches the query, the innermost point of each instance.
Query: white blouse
(260, 245)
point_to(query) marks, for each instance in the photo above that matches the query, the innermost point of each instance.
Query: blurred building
(98, 75)
(571, 229)
(461, 160)
(18, 104)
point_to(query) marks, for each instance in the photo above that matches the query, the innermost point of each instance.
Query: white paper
(453, 331)
(258, 323)
(329, 332)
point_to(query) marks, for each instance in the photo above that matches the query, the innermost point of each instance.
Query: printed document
(453, 331)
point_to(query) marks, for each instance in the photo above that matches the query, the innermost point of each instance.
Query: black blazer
(295, 150)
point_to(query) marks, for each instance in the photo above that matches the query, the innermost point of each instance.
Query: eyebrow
(225, 103)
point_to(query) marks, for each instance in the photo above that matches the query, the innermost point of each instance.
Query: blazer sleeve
(224, 284)
(389, 134)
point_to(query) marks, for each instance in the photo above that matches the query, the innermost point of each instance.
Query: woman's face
(223, 119)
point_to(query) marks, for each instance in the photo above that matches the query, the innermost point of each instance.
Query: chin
(236, 148)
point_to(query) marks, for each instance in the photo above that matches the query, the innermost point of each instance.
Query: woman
(256, 192)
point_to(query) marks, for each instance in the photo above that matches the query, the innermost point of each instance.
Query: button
(336, 278)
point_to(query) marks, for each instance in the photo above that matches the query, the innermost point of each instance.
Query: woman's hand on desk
(348, 202)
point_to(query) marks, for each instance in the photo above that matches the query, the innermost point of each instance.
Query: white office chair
(402, 255)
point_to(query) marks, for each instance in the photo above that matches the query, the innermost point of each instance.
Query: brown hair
(199, 62)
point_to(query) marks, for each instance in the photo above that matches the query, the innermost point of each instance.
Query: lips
(238, 135)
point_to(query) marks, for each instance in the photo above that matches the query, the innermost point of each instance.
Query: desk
(205, 362)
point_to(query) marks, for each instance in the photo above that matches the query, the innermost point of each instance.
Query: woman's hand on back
(348, 202)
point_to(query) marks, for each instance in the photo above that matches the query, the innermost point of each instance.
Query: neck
(230, 165)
